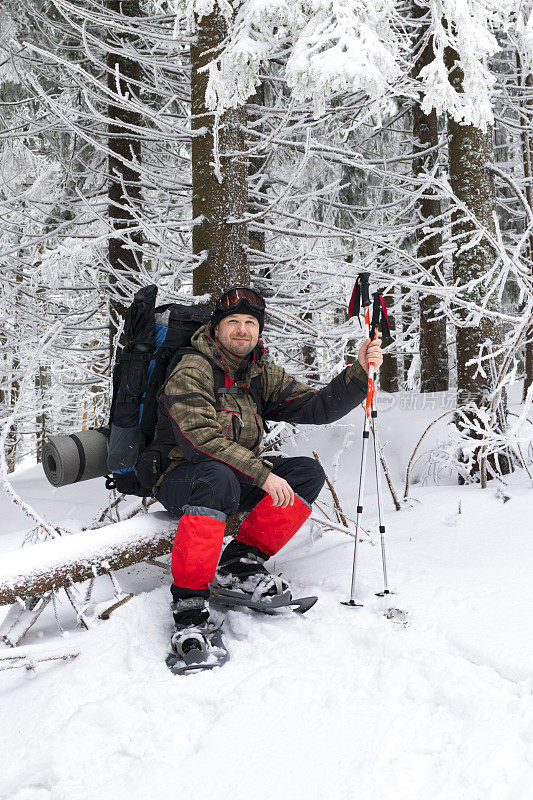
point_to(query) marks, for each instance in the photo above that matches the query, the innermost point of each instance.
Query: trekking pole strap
(360, 295)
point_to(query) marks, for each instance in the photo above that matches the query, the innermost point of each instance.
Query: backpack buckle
(231, 390)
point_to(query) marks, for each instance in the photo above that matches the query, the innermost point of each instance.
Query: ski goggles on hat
(239, 294)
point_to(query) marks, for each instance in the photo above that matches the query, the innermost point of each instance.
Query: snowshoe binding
(242, 579)
(197, 642)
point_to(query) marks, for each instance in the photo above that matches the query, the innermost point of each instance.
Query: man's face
(238, 333)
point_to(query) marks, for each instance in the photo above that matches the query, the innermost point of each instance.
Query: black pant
(212, 484)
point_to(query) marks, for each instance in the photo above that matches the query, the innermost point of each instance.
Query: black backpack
(156, 340)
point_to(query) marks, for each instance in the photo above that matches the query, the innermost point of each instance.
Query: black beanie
(242, 307)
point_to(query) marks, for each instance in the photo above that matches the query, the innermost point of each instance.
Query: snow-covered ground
(342, 703)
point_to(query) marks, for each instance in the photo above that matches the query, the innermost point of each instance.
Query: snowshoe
(269, 604)
(241, 572)
(243, 580)
(196, 649)
(197, 642)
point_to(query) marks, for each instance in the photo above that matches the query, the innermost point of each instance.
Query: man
(215, 468)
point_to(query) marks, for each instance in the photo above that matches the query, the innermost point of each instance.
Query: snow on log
(70, 559)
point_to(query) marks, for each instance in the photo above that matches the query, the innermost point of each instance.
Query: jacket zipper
(259, 434)
(234, 426)
(239, 414)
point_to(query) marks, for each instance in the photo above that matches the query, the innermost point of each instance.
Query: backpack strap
(254, 387)
(255, 391)
(176, 357)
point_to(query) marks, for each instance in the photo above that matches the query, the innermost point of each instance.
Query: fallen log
(57, 563)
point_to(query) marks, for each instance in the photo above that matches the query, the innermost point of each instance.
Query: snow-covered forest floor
(342, 703)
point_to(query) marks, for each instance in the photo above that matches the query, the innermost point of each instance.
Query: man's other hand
(279, 490)
(370, 352)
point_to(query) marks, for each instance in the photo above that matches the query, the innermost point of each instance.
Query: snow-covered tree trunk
(470, 156)
(124, 191)
(219, 174)
(433, 346)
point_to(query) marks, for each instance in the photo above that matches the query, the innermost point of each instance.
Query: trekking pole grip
(376, 317)
(364, 279)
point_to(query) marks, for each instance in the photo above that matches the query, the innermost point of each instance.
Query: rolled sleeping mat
(77, 457)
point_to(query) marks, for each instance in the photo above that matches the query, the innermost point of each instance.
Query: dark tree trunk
(12, 437)
(470, 151)
(388, 373)
(310, 355)
(526, 140)
(124, 191)
(216, 198)
(43, 383)
(13, 393)
(433, 348)
(407, 310)
(256, 239)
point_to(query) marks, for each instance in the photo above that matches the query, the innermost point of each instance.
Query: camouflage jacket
(199, 426)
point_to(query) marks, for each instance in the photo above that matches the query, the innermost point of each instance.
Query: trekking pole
(378, 313)
(381, 520)
(361, 297)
